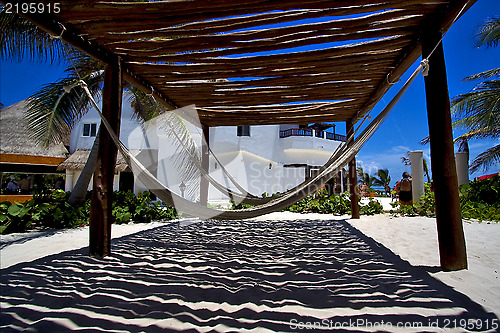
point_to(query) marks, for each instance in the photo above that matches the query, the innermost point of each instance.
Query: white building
(262, 159)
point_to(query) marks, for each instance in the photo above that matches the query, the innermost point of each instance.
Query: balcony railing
(296, 132)
(336, 137)
(309, 132)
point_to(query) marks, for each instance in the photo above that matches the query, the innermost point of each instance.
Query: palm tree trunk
(426, 170)
(80, 190)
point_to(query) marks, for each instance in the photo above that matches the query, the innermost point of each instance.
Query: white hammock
(310, 186)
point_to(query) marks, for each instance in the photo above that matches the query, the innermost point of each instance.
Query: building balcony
(309, 132)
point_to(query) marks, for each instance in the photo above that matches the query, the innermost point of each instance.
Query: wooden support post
(353, 179)
(449, 219)
(205, 158)
(101, 203)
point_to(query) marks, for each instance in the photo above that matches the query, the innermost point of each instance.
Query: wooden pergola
(257, 62)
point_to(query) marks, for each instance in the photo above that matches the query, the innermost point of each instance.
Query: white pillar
(116, 182)
(417, 174)
(69, 181)
(462, 162)
(342, 180)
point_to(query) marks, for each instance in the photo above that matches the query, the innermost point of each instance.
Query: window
(89, 130)
(243, 130)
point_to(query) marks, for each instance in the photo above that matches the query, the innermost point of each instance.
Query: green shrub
(480, 199)
(141, 208)
(51, 210)
(321, 202)
(486, 191)
(425, 207)
(373, 207)
(427, 204)
(43, 211)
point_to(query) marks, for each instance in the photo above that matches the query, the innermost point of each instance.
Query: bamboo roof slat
(388, 43)
(391, 19)
(245, 62)
(98, 17)
(314, 66)
(155, 26)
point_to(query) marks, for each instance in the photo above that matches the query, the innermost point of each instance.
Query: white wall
(127, 126)
(246, 158)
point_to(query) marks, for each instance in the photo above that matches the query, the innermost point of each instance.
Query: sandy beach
(282, 272)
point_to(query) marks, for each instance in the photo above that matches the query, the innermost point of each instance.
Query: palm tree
(20, 40)
(426, 170)
(382, 178)
(478, 111)
(54, 109)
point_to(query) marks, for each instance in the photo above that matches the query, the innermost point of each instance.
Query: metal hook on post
(63, 29)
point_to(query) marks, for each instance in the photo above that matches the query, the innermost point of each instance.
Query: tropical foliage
(365, 177)
(322, 202)
(382, 178)
(478, 200)
(51, 211)
(478, 111)
(21, 40)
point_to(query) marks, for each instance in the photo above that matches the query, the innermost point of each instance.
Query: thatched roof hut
(19, 152)
(77, 161)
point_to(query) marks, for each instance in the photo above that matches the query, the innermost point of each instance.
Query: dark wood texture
(353, 177)
(102, 193)
(448, 215)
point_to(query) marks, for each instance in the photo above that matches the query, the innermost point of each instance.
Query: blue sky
(407, 124)
(402, 130)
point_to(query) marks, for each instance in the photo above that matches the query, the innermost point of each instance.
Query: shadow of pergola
(234, 276)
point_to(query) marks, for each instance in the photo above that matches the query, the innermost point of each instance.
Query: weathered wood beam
(102, 193)
(353, 179)
(452, 249)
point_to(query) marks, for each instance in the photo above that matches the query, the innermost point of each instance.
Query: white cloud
(403, 149)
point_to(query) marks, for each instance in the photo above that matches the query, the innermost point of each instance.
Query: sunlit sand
(279, 272)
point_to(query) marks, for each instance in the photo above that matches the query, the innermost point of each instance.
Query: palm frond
(382, 177)
(484, 75)
(482, 104)
(52, 111)
(187, 156)
(463, 145)
(486, 159)
(20, 39)
(477, 134)
(145, 106)
(489, 33)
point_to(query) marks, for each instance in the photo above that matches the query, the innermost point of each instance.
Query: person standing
(12, 186)
(404, 189)
(24, 185)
